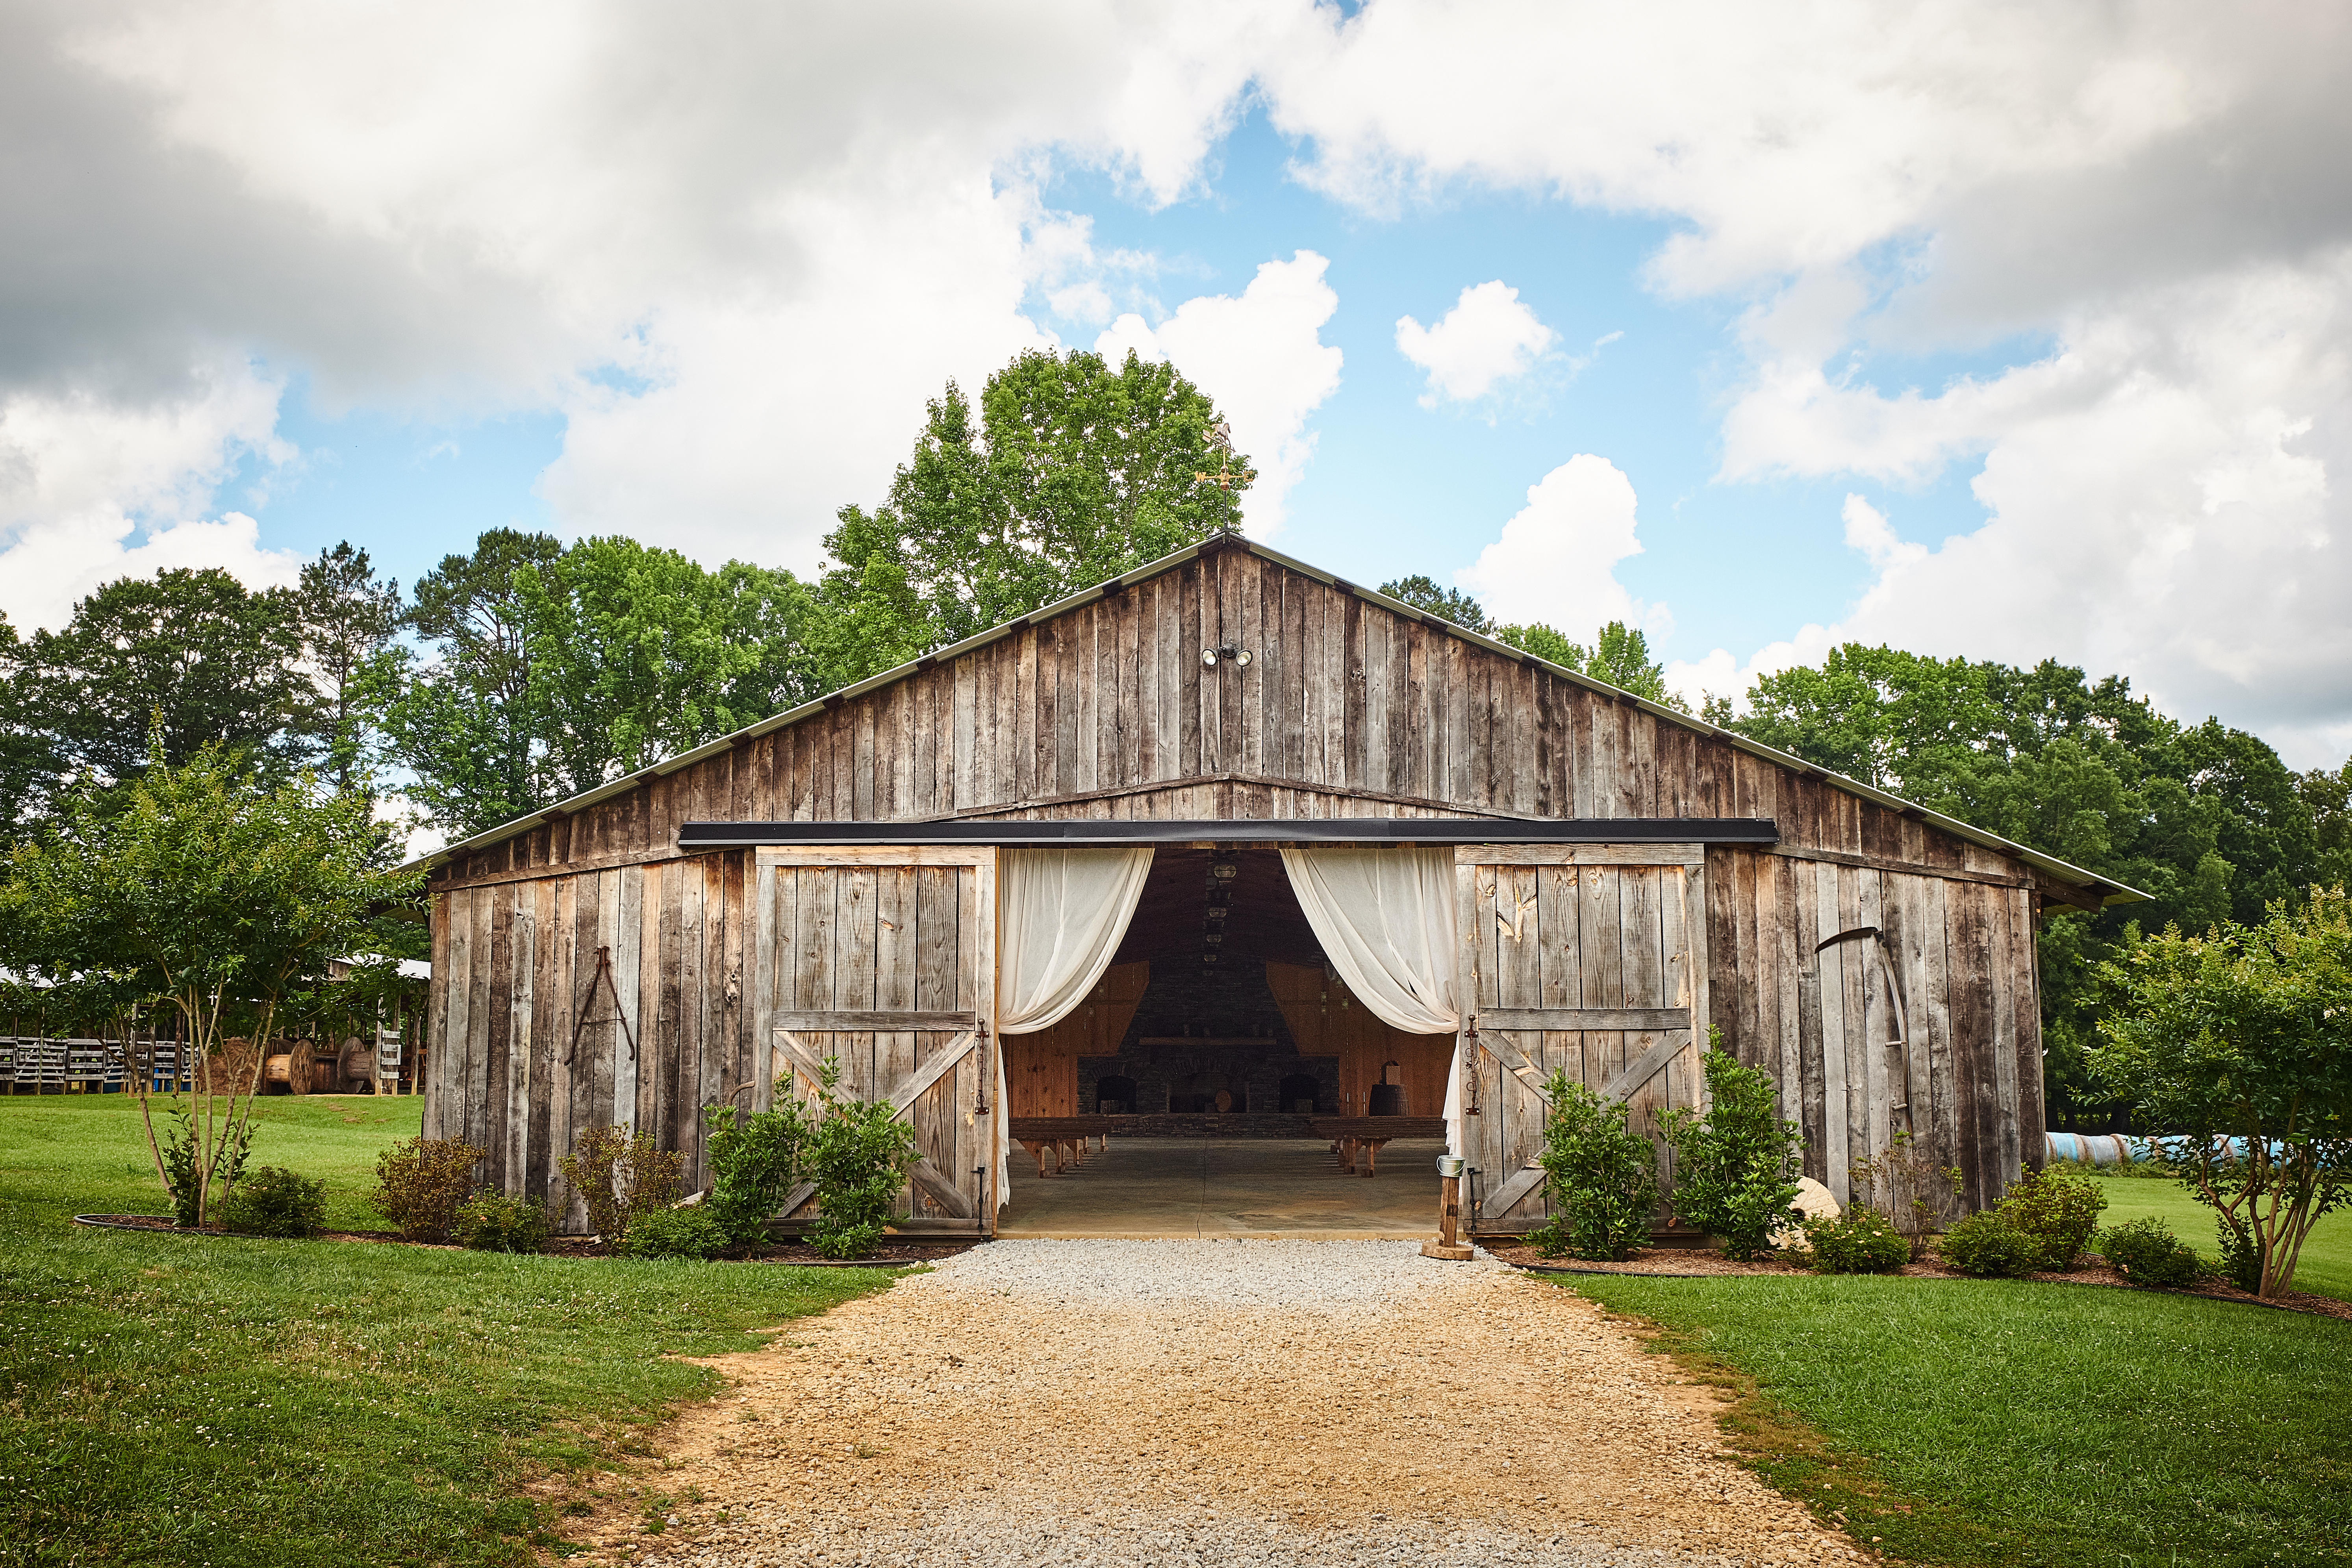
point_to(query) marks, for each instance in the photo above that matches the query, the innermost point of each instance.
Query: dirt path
(1203, 1401)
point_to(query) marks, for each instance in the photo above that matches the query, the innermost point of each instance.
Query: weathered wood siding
(1346, 710)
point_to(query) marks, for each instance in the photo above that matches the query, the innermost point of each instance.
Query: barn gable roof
(2095, 886)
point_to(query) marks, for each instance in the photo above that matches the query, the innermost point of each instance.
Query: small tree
(2245, 1034)
(1735, 1165)
(1602, 1176)
(217, 898)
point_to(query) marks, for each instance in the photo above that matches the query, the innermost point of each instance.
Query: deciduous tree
(1067, 473)
(216, 897)
(2241, 1041)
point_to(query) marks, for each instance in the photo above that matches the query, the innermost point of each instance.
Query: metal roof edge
(2109, 891)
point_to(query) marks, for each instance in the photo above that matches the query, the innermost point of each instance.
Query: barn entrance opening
(1218, 1043)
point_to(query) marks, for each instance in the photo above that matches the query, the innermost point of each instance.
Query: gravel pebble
(1340, 1402)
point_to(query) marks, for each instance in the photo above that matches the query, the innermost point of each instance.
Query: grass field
(2006, 1422)
(225, 1403)
(2324, 1269)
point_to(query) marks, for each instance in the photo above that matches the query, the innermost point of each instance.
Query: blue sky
(1959, 328)
(1393, 488)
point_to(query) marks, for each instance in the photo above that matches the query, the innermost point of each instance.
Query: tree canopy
(1068, 473)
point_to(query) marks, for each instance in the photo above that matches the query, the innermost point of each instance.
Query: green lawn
(187, 1401)
(2325, 1267)
(2008, 1423)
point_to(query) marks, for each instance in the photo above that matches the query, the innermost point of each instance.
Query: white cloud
(1557, 559)
(1260, 357)
(785, 229)
(2149, 196)
(1490, 335)
(80, 475)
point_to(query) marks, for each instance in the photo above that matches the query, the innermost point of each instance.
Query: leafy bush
(1990, 1246)
(273, 1201)
(1602, 1176)
(2059, 1209)
(1860, 1241)
(493, 1221)
(1907, 1187)
(755, 1161)
(2145, 1252)
(182, 1149)
(1735, 1167)
(673, 1233)
(421, 1182)
(621, 1178)
(858, 1154)
(2242, 1257)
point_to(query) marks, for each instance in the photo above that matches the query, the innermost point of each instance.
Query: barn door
(885, 962)
(1589, 959)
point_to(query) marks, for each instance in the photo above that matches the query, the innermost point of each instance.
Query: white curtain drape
(1386, 920)
(1060, 916)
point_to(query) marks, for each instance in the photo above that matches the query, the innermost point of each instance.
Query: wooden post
(1448, 1245)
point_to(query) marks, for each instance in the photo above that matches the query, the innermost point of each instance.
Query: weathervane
(1227, 477)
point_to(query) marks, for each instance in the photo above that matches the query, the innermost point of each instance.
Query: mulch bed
(798, 1255)
(1692, 1263)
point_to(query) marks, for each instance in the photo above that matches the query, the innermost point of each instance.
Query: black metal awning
(1080, 832)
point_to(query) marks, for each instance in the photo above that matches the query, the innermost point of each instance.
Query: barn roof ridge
(2106, 889)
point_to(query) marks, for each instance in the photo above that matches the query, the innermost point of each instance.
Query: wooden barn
(1253, 764)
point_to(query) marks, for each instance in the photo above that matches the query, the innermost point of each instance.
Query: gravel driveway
(1204, 1402)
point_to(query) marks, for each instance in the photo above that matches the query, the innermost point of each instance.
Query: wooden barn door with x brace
(1589, 959)
(884, 960)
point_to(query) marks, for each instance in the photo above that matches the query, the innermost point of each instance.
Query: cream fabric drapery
(1386, 920)
(1060, 916)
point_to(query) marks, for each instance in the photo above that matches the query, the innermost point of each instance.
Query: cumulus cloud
(737, 247)
(1261, 358)
(2147, 195)
(92, 488)
(1557, 559)
(1489, 336)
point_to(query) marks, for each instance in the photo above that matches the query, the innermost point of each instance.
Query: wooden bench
(1351, 1133)
(1066, 1135)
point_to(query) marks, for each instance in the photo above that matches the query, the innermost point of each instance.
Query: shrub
(621, 1178)
(1860, 1241)
(1989, 1245)
(273, 1201)
(2145, 1252)
(2241, 1257)
(673, 1233)
(1602, 1176)
(858, 1154)
(421, 1182)
(493, 1221)
(755, 1161)
(1909, 1188)
(183, 1148)
(2059, 1209)
(1734, 1167)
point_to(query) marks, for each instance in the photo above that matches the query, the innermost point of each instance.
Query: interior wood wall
(1328, 1020)
(1040, 1069)
(1347, 709)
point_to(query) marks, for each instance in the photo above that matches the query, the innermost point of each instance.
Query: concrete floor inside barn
(1287, 1187)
